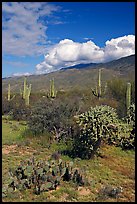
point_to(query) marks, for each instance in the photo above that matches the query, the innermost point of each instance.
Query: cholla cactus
(97, 124)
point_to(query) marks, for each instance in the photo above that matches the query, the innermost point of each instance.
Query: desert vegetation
(82, 139)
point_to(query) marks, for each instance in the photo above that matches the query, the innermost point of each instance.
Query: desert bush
(128, 140)
(117, 90)
(54, 116)
(20, 111)
(16, 108)
(6, 105)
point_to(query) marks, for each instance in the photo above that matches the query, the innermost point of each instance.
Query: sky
(43, 37)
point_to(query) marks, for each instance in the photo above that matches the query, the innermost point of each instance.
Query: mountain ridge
(68, 79)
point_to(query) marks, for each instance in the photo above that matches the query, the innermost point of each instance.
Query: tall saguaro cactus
(52, 93)
(26, 92)
(9, 93)
(99, 83)
(97, 92)
(25, 87)
(128, 95)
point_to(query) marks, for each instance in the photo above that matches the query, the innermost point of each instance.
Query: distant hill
(76, 77)
(81, 66)
(125, 64)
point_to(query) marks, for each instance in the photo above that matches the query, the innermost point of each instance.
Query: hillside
(75, 77)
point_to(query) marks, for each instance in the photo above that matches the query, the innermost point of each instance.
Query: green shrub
(117, 90)
(20, 111)
(54, 116)
(128, 140)
(6, 105)
(16, 108)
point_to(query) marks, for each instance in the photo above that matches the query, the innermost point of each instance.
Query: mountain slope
(84, 78)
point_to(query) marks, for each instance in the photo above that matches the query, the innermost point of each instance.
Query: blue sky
(39, 37)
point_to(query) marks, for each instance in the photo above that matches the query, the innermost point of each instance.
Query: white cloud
(119, 47)
(24, 30)
(21, 74)
(69, 53)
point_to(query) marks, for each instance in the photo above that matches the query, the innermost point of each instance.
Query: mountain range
(81, 76)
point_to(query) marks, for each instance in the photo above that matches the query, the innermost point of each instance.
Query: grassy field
(115, 168)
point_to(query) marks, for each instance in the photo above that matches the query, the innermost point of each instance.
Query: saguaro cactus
(99, 83)
(25, 87)
(52, 93)
(128, 95)
(97, 92)
(26, 92)
(9, 93)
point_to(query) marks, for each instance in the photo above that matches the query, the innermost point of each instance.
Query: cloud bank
(68, 53)
(23, 27)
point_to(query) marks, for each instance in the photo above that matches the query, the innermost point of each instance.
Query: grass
(11, 131)
(116, 168)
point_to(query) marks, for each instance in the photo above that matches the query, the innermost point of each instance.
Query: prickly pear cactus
(41, 176)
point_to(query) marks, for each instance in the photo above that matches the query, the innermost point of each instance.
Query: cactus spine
(9, 93)
(97, 92)
(52, 92)
(128, 95)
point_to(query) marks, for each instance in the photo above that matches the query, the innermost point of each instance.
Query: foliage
(117, 89)
(42, 175)
(93, 126)
(6, 105)
(128, 142)
(18, 110)
(54, 116)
